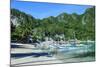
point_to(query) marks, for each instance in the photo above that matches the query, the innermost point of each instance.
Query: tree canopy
(82, 25)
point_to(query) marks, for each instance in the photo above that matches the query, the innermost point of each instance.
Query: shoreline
(31, 60)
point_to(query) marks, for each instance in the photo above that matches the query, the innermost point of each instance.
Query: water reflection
(87, 50)
(20, 55)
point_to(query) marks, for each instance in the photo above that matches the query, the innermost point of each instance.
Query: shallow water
(65, 54)
(84, 53)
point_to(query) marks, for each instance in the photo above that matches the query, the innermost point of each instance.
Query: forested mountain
(24, 25)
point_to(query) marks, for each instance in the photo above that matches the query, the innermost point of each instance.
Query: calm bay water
(79, 53)
(86, 52)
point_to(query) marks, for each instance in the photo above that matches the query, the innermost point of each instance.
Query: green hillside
(66, 25)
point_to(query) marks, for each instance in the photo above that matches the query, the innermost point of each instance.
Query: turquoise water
(65, 54)
(85, 52)
(78, 53)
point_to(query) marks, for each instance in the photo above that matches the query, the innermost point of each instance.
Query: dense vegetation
(66, 25)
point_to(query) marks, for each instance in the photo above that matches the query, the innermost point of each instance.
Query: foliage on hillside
(82, 26)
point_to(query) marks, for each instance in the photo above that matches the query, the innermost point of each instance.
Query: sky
(42, 10)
